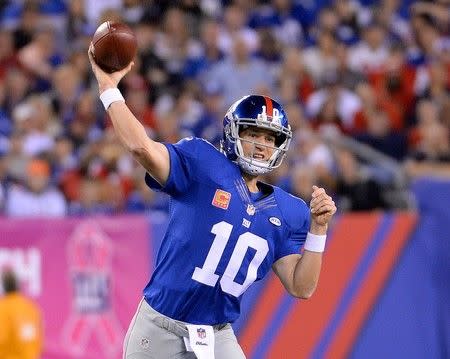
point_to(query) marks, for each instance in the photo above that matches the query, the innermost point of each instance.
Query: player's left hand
(322, 207)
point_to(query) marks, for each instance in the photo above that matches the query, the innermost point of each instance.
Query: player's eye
(270, 139)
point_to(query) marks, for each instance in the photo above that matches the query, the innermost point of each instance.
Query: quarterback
(226, 230)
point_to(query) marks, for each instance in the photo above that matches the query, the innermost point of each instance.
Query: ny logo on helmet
(276, 118)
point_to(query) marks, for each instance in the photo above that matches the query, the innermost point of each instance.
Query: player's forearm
(307, 269)
(306, 274)
(151, 155)
(128, 129)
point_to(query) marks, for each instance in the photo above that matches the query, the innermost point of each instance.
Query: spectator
(371, 54)
(38, 197)
(427, 113)
(250, 72)
(6, 125)
(432, 154)
(30, 19)
(77, 59)
(351, 18)
(7, 52)
(294, 75)
(349, 77)
(137, 99)
(152, 68)
(379, 135)
(210, 121)
(19, 87)
(296, 116)
(327, 21)
(270, 50)
(143, 200)
(39, 57)
(132, 11)
(394, 87)
(3, 179)
(176, 45)
(313, 152)
(35, 119)
(235, 26)
(355, 190)
(387, 14)
(437, 11)
(426, 37)
(372, 103)
(347, 102)
(436, 87)
(16, 159)
(67, 87)
(22, 332)
(321, 59)
(95, 9)
(343, 66)
(432, 143)
(302, 178)
(90, 200)
(287, 19)
(210, 54)
(77, 22)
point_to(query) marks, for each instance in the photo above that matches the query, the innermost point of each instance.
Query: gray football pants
(152, 335)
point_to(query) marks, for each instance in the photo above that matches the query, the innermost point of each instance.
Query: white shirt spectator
(238, 80)
(94, 9)
(23, 203)
(364, 59)
(316, 64)
(348, 104)
(37, 142)
(311, 151)
(320, 155)
(248, 35)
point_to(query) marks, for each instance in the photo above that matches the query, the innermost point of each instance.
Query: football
(114, 46)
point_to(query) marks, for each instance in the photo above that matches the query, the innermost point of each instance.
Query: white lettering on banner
(27, 264)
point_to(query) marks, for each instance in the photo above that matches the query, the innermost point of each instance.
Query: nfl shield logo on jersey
(251, 209)
(201, 333)
(221, 199)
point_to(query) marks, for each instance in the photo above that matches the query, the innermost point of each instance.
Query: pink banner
(86, 274)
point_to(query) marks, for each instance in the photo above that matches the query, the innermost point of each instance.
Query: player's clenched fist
(322, 206)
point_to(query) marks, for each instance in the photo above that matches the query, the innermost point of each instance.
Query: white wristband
(315, 243)
(109, 96)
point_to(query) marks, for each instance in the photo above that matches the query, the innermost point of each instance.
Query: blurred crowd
(377, 72)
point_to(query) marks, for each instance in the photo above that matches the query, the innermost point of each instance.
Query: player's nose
(259, 146)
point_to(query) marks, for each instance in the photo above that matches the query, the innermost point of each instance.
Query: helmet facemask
(249, 164)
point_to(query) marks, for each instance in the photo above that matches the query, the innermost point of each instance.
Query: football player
(226, 228)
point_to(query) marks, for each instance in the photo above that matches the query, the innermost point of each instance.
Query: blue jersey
(219, 240)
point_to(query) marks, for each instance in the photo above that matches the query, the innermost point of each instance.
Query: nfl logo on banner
(201, 333)
(90, 259)
(221, 199)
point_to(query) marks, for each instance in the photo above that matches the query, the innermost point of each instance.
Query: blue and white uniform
(219, 240)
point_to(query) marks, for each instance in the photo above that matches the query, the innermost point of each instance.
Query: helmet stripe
(269, 106)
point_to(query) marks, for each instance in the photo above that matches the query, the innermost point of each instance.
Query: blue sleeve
(296, 235)
(183, 162)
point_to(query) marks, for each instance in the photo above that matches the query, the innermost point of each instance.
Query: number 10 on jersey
(206, 274)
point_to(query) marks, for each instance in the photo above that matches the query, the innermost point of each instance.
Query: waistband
(176, 327)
